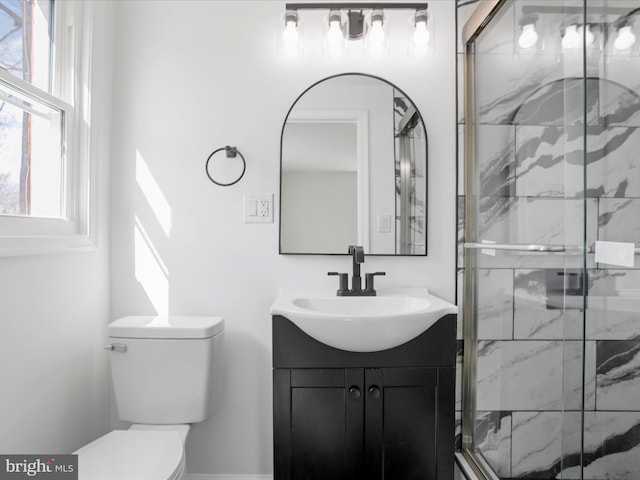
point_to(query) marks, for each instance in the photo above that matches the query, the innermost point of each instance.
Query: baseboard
(210, 476)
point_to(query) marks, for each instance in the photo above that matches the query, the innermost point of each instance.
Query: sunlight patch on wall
(150, 270)
(152, 192)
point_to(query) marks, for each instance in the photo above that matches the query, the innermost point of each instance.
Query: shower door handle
(521, 247)
(533, 247)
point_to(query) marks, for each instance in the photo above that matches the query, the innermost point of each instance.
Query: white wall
(54, 309)
(192, 76)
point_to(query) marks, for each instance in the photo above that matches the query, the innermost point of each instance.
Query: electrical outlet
(258, 208)
(264, 208)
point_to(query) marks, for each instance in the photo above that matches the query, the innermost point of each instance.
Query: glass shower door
(528, 223)
(611, 423)
(552, 227)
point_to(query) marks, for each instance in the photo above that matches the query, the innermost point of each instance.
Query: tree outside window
(28, 128)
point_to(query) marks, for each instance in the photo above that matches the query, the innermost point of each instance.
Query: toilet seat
(133, 455)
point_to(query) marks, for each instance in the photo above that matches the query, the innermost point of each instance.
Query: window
(43, 171)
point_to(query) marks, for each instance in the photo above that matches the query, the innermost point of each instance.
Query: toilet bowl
(166, 374)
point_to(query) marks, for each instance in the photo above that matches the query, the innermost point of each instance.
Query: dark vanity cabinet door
(400, 423)
(319, 427)
(375, 416)
(339, 426)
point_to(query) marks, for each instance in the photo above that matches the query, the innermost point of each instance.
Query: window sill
(43, 245)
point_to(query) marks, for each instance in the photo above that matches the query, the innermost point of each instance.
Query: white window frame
(71, 63)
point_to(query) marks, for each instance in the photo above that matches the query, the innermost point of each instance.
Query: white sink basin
(362, 324)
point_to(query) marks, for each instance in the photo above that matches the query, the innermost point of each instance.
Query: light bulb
(376, 35)
(625, 39)
(588, 35)
(290, 37)
(420, 41)
(571, 37)
(529, 36)
(334, 35)
(421, 34)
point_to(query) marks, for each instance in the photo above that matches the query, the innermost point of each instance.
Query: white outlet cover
(258, 208)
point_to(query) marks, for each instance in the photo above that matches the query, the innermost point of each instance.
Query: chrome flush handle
(116, 347)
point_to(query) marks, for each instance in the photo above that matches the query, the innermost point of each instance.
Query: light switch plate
(384, 223)
(258, 208)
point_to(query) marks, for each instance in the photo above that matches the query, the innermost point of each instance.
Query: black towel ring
(231, 152)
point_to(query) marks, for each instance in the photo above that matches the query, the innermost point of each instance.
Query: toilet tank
(166, 369)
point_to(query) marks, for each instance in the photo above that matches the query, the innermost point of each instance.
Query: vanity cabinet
(372, 415)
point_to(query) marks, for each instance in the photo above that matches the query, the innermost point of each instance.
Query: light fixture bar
(349, 21)
(356, 5)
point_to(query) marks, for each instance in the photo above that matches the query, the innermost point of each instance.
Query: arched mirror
(353, 170)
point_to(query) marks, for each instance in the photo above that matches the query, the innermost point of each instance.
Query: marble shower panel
(619, 220)
(532, 317)
(618, 375)
(612, 445)
(614, 305)
(528, 375)
(493, 439)
(495, 304)
(544, 443)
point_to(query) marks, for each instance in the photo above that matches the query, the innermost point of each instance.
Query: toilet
(167, 375)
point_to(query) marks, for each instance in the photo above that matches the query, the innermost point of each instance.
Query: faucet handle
(344, 281)
(369, 282)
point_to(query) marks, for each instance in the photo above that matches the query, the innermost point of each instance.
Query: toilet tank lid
(168, 327)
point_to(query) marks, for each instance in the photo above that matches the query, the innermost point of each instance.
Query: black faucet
(357, 253)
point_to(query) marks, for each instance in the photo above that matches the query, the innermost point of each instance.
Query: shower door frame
(480, 18)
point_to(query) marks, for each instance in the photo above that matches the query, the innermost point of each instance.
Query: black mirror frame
(424, 127)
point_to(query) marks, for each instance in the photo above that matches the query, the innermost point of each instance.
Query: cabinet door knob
(354, 392)
(374, 391)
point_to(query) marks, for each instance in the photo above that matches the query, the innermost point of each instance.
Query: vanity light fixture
(350, 22)
(574, 34)
(578, 32)
(334, 38)
(420, 37)
(625, 38)
(357, 26)
(377, 40)
(589, 37)
(290, 38)
(571, 37)
(528, 36)
(334, 34)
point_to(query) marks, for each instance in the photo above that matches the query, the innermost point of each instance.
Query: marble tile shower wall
(531, 161)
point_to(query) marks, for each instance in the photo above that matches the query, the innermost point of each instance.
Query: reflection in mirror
(353, 170)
